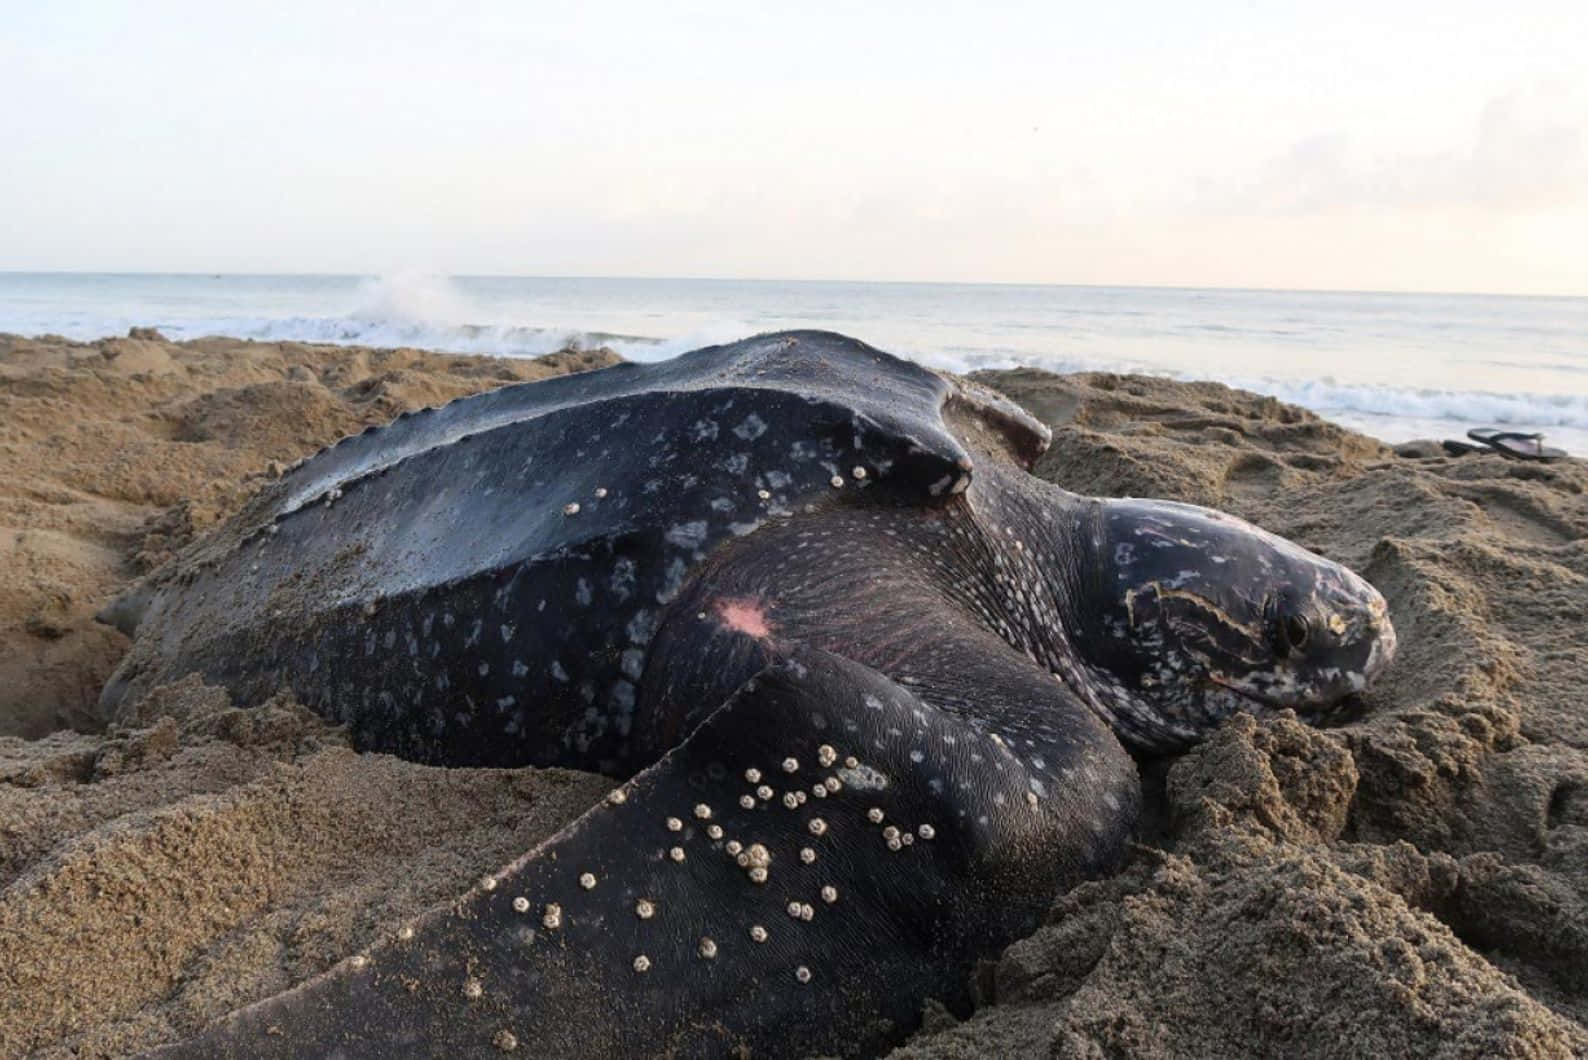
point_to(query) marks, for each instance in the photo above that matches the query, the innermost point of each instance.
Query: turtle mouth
(1334, 710)
(1266, 700)
(1349, 708)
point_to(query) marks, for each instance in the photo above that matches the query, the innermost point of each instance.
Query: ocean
(1396, 366)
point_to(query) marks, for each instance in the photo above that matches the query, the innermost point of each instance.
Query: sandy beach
(1410, 882)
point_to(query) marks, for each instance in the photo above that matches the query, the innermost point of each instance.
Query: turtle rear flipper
(819, 857)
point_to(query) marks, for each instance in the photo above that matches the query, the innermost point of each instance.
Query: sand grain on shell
(1412, 882)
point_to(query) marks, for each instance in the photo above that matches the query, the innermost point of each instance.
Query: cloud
(1528, 154)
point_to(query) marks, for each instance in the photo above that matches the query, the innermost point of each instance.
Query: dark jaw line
(1335, 713)
(1332, 715)
(1343, 711)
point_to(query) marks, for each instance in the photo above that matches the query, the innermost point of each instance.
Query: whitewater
(1396, 366)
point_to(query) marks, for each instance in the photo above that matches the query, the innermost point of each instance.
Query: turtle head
(1192, 614)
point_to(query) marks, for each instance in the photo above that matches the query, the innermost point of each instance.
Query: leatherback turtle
(859, 673)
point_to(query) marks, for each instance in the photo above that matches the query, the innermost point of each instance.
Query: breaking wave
(511, 317)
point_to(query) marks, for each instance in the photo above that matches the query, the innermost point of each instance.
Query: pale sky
(1397, 146)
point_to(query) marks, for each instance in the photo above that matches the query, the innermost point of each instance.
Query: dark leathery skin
(738, 578)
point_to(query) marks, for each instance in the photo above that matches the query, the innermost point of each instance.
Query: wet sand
(1411, 882)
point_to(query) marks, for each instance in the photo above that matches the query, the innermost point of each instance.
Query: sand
(1413, 881)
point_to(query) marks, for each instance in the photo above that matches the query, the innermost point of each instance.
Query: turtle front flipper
(824, 853)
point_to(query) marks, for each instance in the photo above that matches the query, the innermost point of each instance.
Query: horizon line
(7, 271)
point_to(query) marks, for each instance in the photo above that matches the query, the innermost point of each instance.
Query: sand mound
(1413, 881)
(116, 453)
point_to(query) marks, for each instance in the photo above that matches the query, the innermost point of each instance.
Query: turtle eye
(1287, 631)
(1295, 632)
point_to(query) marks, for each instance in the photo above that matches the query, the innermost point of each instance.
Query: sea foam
(1395, 366)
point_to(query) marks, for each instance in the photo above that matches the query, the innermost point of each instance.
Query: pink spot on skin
(744, 615)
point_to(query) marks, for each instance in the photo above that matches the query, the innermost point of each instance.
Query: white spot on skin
(926, 831)
(807, 855)
(752, 428)
(587, 880)
(752, 775)
(708, 948)
(473, 988)
(553, 918)
(818, 826)
(675, 825)
(642, 963)
(618, 797)
(803, 974)
(571, 508)
(747, 802)
(790, 765)
(874, 815)
(758, 933)
(714, 831)
(487, 883)
(702, 811)
(644, 909)
(676, 853)
(520, 904)
(863, 777)
(826, 756)
(405, 933)
(829, 894)
(689, 535)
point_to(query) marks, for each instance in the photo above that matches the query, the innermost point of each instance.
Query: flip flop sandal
(1516, 444)
(1455, 448)
(1486, 434)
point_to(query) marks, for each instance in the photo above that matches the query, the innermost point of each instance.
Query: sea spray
(1396, 366)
